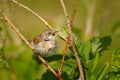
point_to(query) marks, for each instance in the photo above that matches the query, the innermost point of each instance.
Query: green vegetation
(99, 54)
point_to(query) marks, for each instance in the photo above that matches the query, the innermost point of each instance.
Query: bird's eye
(53, 34)
(49, 33)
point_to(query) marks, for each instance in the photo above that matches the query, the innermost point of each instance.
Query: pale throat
(49, 38)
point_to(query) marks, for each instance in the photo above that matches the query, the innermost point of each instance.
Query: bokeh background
(105, 20)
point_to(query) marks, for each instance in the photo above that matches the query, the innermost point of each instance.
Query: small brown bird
(45, 43)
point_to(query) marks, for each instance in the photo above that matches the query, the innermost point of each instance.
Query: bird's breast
(44, 47)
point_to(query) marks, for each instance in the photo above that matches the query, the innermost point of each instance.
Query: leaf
(87, 50)
(95, 43)
(71, 69)
(92, 77)
(81, 52)
(105, 43)
(95, 62)
(100, 44)
(48, 75)
(115, 71)
(116, 60)
(80, 49)
(78, 45)
(102, 72)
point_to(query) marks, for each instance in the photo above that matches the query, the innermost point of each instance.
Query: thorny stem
(66, 15)
(64, 53)
(25, 40)
(68, 37)
(73, 13)
(81, 77)
(69, 28)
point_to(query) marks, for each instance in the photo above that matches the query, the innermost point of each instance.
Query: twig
(33, 12)
(68, 37)
(17, 31)
(73, 13)
(25, 40)
(36, 15)
(81, 77)
(66, 15)
(40, 18)
(64, 53)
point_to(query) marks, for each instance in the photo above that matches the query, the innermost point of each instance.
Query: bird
(45, 44)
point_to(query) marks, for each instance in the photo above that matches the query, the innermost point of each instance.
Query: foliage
(17, 63)
(114, 73)
(90, 53)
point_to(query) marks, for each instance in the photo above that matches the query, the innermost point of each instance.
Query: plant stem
(81, 77)
(26, 41)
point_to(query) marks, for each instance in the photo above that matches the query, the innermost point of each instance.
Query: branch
(66, 15)
(68, 37)
(73, 13)
(36, 15)
(25, 40)
(33, 12)
(71, 42)
(64, 53)
(68, 23)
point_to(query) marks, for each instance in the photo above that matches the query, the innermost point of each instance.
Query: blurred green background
(18, 56)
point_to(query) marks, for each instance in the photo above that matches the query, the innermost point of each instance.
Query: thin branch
(71, 42)
(36, 15)
(66, 15)
(73, 13)
(68, 37)
(25, 40)
(17, 31)
(68, 22)
(33, 12)
(64, 53)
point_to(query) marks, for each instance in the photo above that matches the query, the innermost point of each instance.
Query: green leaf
(102, 72)
(105, 43)
(48, 75)
(80, 49)
(115, 71)
(116, 60)
(95, 44)
(95, 62)
(81, 52)
(92, 77)
(71, 69)
(87, 50)
(100, 44)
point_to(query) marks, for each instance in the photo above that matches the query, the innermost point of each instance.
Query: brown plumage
(45, 43)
